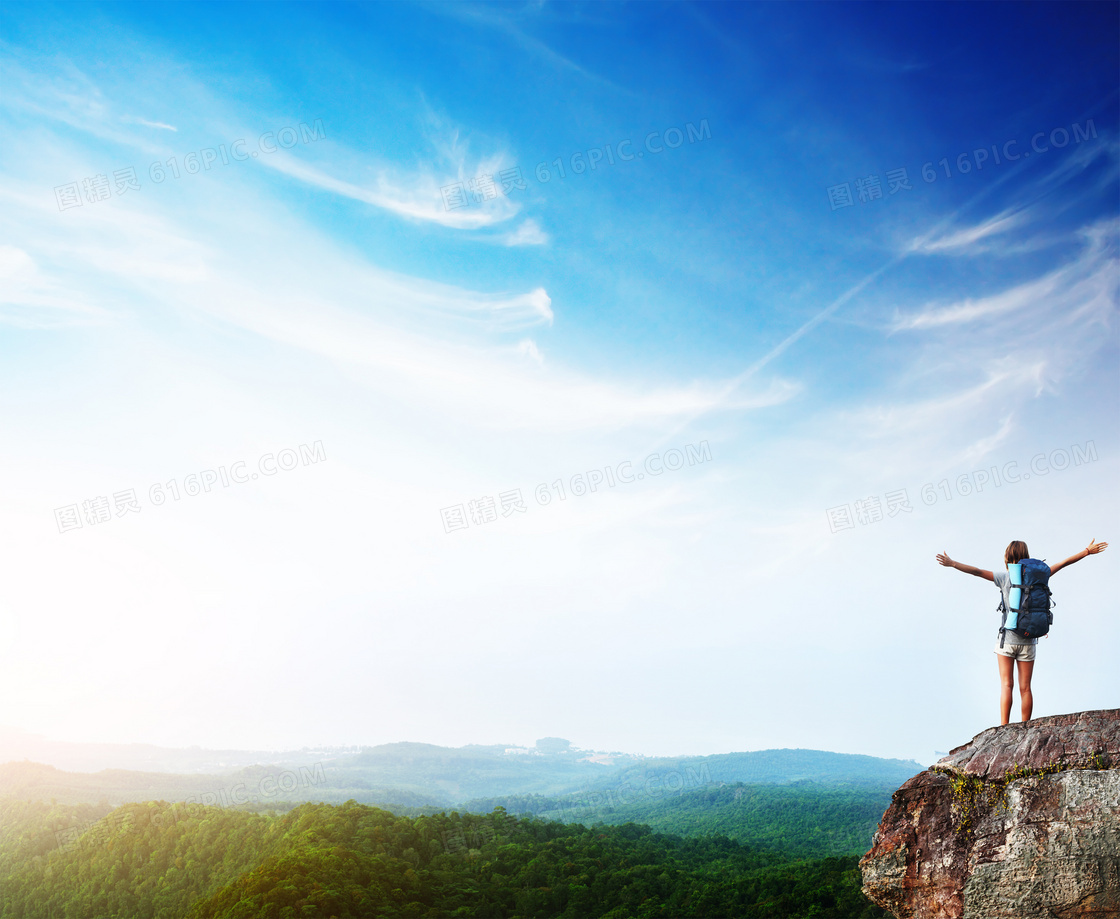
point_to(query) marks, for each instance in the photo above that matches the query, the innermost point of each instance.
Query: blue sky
(346, 268)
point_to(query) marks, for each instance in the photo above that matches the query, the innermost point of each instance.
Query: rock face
(1022, 822)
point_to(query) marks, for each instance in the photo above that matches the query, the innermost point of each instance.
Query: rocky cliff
(1022, 822)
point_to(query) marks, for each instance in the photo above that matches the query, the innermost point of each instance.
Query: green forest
(805, 820)
(317, 861)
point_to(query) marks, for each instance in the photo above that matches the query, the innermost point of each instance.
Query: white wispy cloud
(63, 93)
(528, 233)
(966, 237)
(528, 348)
(234, 255)
(1036, 204)
(1018, 298)
(419, 196)
(132, 119)
(1058, 294)
(32, 298)
(974, 367)
(494, 313)
(929, 418)
(985, 446)
(56, 92)
(508, 24)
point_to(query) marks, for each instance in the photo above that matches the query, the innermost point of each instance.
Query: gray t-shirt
(1003, 582)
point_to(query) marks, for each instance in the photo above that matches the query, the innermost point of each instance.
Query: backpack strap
(1002, 608)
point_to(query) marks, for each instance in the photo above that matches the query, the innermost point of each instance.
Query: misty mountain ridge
(408, 774)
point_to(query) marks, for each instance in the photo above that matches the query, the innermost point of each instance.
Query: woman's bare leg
(1026, 670)
(1006, 686)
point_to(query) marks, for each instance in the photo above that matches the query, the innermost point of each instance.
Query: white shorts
(1017, 652)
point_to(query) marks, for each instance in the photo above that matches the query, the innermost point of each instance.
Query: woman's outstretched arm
(944, 559)
(1094, 548)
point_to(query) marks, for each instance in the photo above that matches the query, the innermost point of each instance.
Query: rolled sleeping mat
(1015, 595)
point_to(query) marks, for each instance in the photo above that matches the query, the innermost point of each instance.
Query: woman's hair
(1016, 551)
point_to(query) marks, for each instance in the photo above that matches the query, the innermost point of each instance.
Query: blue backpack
(1030, 600)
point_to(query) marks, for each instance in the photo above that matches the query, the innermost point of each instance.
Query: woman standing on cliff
(1016, 648)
